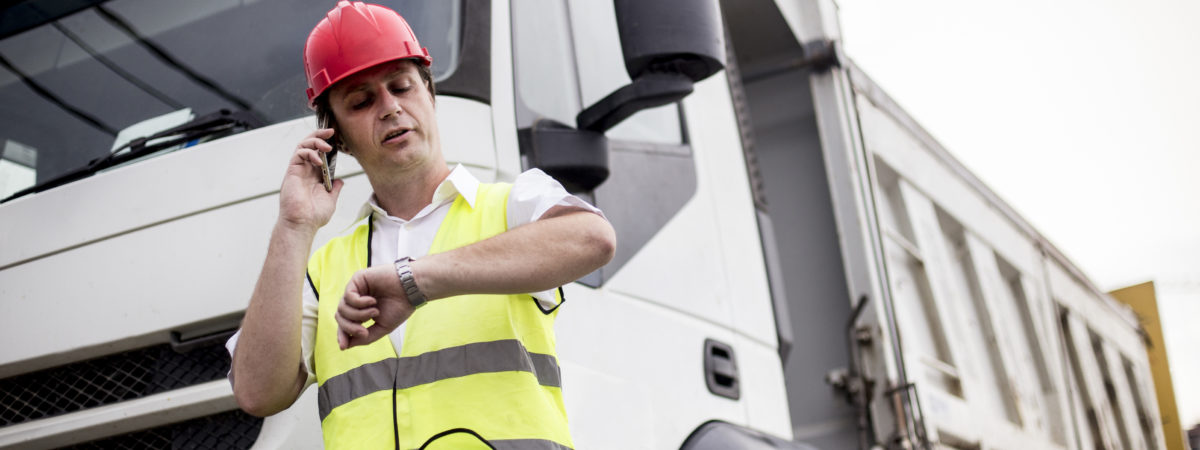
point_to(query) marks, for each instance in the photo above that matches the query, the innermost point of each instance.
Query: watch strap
(403, 269)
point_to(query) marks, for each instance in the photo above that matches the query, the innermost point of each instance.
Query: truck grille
(228, 430)
(106, 380)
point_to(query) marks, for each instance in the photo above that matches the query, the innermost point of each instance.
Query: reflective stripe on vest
(480, 357)
(481, 362)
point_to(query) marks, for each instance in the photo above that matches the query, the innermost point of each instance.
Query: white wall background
(1083, 115)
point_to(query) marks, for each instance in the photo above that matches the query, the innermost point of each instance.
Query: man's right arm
(268, 370)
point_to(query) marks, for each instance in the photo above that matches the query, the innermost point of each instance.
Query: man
(443, 266)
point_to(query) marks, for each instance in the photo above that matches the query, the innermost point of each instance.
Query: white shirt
(533, 193)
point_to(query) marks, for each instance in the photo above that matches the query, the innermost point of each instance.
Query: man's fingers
(309, 150)
(312, 157)
(357, 314)
(356, 300)
(348, 327)
(355, 306)
(373, 334)
(316, 144)
(360, 304)
(356, 287)
(357, 294)
(306, 156)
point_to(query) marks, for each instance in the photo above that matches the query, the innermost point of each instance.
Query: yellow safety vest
(484, 363)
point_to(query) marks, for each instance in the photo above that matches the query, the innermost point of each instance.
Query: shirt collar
(459, 182)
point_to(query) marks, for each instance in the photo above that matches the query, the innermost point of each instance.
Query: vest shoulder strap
(348, 250)
(465, 224)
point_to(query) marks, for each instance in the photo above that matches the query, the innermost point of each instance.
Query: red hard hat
(354, 36)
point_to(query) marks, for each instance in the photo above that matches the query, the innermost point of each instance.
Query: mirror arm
(648, 91)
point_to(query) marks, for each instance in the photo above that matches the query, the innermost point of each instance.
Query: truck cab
(144, 143)
(799, 263)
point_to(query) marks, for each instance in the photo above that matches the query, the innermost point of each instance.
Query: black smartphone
(328, 160)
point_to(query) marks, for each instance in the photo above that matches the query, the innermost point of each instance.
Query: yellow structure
(1143, 301)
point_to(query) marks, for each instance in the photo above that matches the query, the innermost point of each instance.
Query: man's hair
(325, 112)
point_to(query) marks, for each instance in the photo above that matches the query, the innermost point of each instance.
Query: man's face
(386, 118)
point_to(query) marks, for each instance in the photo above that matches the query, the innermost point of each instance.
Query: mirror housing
(668, 45)
(576, 158)
(674, 36)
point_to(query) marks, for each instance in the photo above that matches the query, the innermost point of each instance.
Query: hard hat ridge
(359, 11)
(354, 36)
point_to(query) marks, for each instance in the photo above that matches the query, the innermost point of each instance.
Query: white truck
(799, 263)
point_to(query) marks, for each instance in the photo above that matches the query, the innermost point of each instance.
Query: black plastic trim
(472, 78)
(182, 346)
(576, 158)
(720, 369)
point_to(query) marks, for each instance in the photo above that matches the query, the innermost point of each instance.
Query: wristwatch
(415, 297)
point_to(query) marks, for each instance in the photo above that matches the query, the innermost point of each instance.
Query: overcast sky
(1083, 115)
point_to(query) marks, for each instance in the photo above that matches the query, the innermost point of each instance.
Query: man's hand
(372, 293)
(303, 202)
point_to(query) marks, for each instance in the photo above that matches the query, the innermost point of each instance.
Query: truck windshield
(79, 79)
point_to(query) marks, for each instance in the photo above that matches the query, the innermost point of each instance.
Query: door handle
(720, 369)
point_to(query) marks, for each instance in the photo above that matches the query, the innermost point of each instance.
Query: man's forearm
(266, 365)
(534, 257)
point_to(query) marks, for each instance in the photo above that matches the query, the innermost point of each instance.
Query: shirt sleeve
(308, 335)
(533, 193)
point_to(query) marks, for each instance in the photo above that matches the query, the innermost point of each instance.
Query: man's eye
(360, 104)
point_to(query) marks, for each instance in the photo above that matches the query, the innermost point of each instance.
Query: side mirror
(668, 45)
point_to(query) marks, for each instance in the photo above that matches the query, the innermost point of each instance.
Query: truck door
(688, 270)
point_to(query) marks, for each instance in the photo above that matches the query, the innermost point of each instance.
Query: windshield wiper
(207, 125)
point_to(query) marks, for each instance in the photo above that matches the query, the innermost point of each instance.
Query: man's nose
(390, 105)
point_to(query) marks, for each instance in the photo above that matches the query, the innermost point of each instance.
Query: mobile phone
(328, 160)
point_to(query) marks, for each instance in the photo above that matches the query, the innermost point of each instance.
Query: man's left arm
(564, 245)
